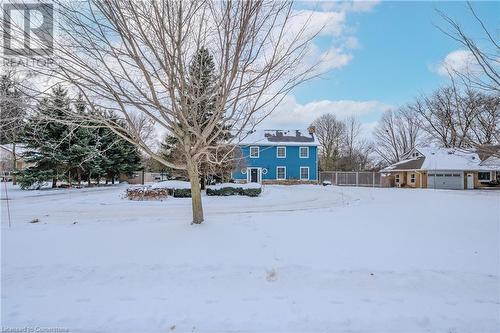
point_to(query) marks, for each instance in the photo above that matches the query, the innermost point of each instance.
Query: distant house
(278, 156)
(444, 168)
(8, 153)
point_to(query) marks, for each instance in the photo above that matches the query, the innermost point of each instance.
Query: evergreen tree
(61, 152)
(119, 155)
(83, 152)
(201, 97)
(46, 141)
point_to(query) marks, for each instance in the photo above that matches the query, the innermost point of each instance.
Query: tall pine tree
(46, 142)
(57, 151)
(119, 156)
(201, 97)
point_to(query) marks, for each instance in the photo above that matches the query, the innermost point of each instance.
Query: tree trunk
(54, 182)
(113, 179)
(14, 169)
(197, 207)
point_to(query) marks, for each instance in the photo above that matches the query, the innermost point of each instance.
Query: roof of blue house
(279, 138)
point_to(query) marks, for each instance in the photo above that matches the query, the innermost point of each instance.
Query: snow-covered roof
(492, 161)
(442, 159)
(9, 148)
(298, 137)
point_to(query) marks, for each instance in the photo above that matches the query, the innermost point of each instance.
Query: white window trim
(278, 149)
(258, 152)
(300, 155)
(277, 177)
(300, 173)
(397, 178)
(413, 179)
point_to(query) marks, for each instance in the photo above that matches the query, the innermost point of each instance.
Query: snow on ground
(296, 259)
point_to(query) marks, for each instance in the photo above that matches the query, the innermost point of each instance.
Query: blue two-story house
(278, 156)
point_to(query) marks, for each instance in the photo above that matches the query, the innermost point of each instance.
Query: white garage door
(445, 180)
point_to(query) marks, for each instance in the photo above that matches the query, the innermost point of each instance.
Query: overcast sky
(378, 55)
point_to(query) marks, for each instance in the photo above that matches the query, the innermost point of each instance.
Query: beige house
(140, 177)
(443, 168)
(9, 153)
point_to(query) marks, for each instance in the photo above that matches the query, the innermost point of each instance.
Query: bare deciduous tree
(484, 52)
(330, 133)
(341, 144)
(396, 134)
(351, 137)
(132, 57)
(12, 113)
(460, 118)
(440, 116)
(486, 128)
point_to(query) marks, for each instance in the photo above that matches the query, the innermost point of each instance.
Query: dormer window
(415, 154)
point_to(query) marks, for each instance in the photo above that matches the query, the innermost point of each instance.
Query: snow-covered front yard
(296, 259)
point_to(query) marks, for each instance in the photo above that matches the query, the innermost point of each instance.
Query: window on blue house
(254, 152)
(304, 152)
(280, 172)
(304, 173)
(281, 152)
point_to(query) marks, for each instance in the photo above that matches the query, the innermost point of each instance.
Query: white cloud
(330, 23)
(290, 114)
(349, 6)
(352, 42)
(330, 18)
(461, 61)
(367, 130)
(333, 58)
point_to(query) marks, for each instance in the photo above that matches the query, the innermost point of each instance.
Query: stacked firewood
(146, 193)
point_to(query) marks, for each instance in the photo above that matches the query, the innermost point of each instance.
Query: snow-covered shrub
(181, 192)
(227, 189)
(252, 192)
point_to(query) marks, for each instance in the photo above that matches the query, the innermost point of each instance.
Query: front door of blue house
(254, 175)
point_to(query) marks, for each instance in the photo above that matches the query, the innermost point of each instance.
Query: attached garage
(450, 180)
(444, 168)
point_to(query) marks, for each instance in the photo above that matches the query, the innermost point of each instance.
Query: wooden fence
(350, 178)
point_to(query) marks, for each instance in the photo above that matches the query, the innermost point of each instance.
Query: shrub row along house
(278, 156)
(444, 168)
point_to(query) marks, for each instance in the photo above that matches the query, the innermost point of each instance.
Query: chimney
(312, 129)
